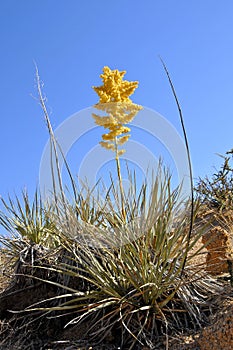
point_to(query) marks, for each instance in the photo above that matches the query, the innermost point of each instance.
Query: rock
(218, 240)
(218, 336)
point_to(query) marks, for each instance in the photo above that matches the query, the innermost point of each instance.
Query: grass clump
(27, 224)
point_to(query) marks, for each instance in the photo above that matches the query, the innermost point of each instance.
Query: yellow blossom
(121, 151)
(106, 122)
(114, 88)
(115, 102)
(107, 145)
(123, 139)
(115, 131)
(122, 112)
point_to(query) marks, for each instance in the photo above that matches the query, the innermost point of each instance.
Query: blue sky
(72, 40)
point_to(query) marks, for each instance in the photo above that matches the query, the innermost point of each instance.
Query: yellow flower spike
(115, 102)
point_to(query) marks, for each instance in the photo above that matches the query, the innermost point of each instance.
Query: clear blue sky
(72, 40)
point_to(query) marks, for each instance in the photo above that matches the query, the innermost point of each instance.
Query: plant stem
(120, 181)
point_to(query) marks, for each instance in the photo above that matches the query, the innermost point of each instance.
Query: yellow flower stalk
(120, 110)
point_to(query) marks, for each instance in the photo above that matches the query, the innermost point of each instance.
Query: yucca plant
(125, 259)
(127, 277)
(27, 223)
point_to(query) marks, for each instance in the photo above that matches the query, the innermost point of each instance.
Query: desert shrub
(217, 191)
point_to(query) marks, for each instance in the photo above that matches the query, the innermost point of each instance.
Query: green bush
(217, 191)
